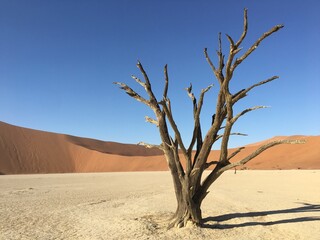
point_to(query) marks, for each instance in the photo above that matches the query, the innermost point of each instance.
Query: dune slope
(26, 151)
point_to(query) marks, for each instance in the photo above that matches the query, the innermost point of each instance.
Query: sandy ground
(247, 205)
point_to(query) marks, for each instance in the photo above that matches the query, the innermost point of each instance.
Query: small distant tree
(190, 188)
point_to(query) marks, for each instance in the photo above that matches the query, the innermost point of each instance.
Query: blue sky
(58, 60)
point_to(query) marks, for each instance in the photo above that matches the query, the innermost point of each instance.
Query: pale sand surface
(247, 205)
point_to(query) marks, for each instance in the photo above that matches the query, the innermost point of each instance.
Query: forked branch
(153, 100)
(255, 45)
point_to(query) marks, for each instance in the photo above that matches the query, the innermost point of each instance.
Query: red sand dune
(25, 151)
(283, 156)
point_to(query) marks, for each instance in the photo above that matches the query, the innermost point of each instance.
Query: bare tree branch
(139, 81)
(235, 153)
(209, 164)
(243, 92)
(174, 147)
(203, 91)
(146, 78)
(148, 88)
(221, 58)
(219, 169)
(245, 28)
(177, 132)
(234, 119)
(197, 135)
(260, 150)
(209, 60)
(255, 45)
(230, 41)
(132, 93)
(216, 72)
(196, 122)
(232, 134)
(192, 97)
(151, 120)
(166, 79)
(234, 48)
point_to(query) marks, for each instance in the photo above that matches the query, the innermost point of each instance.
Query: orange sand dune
(25, 151)
(283, 156)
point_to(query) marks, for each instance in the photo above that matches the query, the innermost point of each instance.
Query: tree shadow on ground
(217, 221)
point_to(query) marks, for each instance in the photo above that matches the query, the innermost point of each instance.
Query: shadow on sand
(217, 222)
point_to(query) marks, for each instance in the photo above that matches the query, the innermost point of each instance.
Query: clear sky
(58, 60)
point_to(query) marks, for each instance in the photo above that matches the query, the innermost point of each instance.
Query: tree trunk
(189, 189)
(188, 209)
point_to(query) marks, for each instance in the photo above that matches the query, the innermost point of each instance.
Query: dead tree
(186, 164)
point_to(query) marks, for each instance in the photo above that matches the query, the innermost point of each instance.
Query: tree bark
(188, 207)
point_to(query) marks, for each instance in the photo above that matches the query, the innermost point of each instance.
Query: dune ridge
(27, 151)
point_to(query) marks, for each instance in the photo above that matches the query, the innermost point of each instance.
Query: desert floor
(247, 205)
